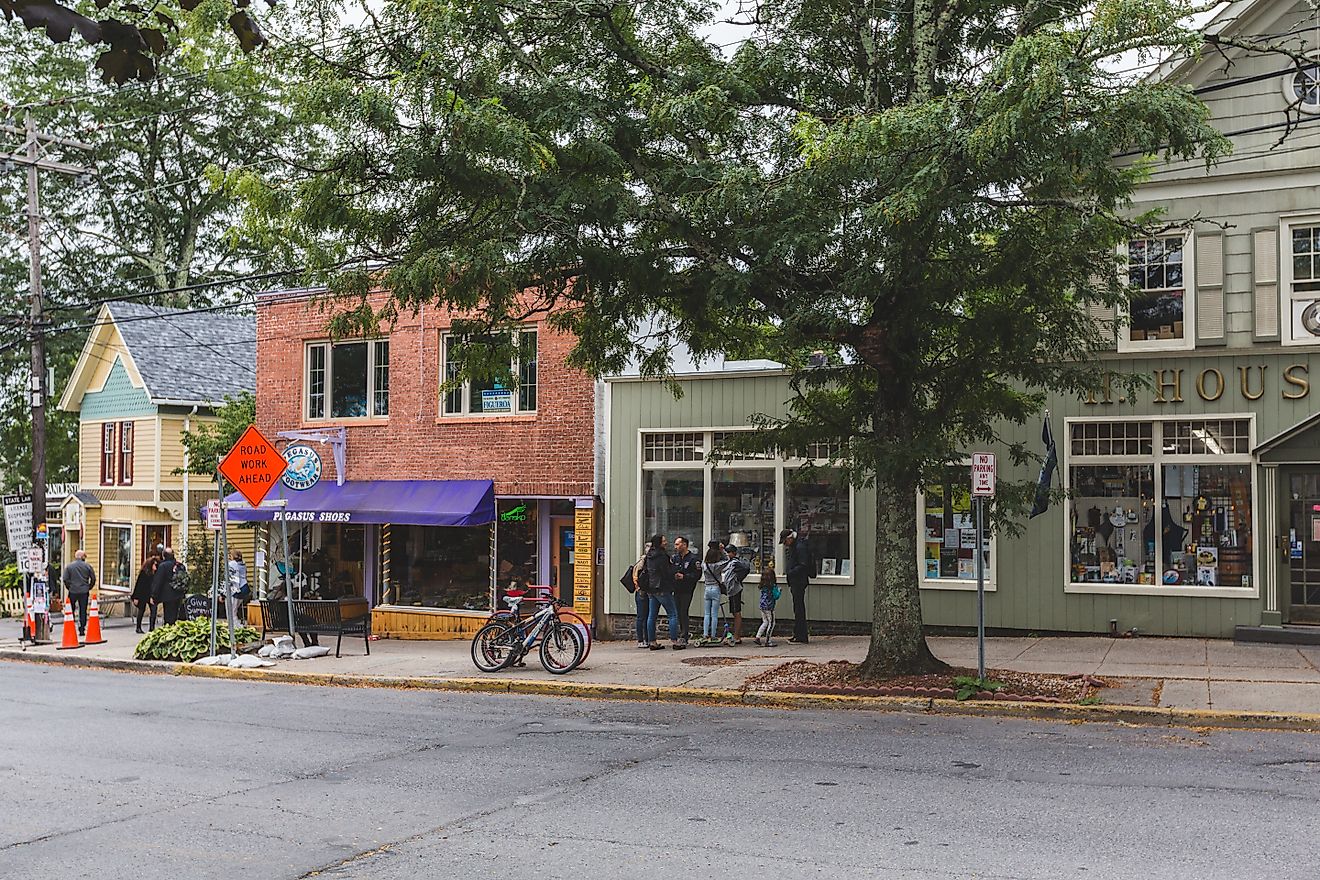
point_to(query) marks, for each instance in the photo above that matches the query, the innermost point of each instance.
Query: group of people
(161, 586)
(661, 579)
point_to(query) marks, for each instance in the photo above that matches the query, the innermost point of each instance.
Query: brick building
(429, 504)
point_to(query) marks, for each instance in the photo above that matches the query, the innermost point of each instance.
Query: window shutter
(1265, 281)
(1210, 288)
(1105, 316)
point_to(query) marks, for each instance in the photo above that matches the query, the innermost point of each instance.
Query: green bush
(10, 578)
(189, 639)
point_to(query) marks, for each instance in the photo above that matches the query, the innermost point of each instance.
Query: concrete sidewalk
(1148, 672)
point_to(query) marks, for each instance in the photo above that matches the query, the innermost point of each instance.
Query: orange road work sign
(253, 466)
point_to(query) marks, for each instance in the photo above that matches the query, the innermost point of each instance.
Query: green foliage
(209, 442)
(927, 193)
(1090, 700)
(188, 640)
(10, 577)
(199, 562)
(969, 686)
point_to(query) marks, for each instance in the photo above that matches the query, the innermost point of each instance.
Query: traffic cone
(29, 624)
(70, 635)
(94, 636)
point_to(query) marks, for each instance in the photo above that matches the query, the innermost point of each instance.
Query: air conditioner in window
(1306, 318)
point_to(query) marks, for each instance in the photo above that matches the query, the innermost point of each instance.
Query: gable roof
(184, 357)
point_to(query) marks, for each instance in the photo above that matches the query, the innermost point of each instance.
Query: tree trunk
(898, 642)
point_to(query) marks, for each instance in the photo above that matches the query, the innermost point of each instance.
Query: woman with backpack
(167, 589)
(712, 577)
(641, 598)
(769, 596)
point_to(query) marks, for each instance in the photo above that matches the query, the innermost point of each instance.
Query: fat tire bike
(507, 640)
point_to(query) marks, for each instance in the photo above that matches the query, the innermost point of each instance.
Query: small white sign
(40, 598)
(213, 517)
(32, 560)
(983, 474)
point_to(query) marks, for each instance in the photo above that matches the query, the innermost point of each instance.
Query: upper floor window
(1302, 89)
(493, 396)
(1301, 283)
(109, 450)
(348, 380)
(1159, 306)
(125, 453)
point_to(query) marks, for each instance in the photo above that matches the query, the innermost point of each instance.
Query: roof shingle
(188, 356)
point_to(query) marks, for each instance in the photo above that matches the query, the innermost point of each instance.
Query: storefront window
(818, 508)
(743, 504)
(435, 567)
(1209, 541)
(672, 504)
(117, 556)
(1113, 537)
(949, 533)
(1176, 514)
(516, 539)
(338, 567)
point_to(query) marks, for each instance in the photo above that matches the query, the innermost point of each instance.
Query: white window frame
(1287, 86)
(780, 466)
(132, 538)
(1157, 459)
(328, 346)
(1287, 336)
(1188, 341)
(956, 584)
(515, 366)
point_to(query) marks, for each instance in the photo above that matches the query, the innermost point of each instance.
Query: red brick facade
(550, 452)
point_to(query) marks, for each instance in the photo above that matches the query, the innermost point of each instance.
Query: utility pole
(34, 145)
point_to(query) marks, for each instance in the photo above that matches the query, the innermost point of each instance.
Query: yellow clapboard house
(145, 376)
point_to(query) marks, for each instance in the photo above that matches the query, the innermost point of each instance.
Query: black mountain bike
(507, 640)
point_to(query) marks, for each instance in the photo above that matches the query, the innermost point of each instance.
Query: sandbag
(309, 652)
(247, 661)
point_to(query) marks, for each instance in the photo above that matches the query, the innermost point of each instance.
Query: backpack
(179, 578)
(734, 573)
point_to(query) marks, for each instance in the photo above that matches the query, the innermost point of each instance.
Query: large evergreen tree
(924, 190)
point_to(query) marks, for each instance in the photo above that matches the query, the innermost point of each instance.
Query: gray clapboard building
(1194, 509)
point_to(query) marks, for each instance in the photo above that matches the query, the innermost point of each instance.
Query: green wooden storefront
(1249, 414)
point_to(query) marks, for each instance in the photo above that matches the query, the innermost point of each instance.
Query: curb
(1144, 716)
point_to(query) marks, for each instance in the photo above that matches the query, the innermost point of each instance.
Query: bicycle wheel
(495, 646)
(572, 619)
(562, 648)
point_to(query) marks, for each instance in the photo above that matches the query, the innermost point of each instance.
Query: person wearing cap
(734, 574)
(798, 572)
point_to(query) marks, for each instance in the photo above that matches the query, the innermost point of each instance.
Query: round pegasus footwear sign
(304, 470)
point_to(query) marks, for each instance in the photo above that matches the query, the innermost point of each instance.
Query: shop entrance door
(153, 537)
(1304, 548)
(561, 561)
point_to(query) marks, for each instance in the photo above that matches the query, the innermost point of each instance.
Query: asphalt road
(120, 775)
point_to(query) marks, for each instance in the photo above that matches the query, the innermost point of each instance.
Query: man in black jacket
(162, 587)
(798, 570)
(687, 574)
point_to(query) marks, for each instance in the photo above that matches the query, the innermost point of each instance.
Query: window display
(949, 541)
(1113, 524)
(435, 567)
(818, 508)
(1166, 516)
(117, 556)
(516, 560)
(743, 501)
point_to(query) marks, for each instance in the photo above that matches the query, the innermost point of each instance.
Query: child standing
(712, 575)
(769, 596)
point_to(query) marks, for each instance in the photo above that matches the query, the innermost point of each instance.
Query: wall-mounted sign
(497, 400)
(1250, 383)
(304, 469)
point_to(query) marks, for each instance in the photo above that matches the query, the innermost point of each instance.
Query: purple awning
(405, 502)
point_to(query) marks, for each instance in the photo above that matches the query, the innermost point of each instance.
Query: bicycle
(514, 598)
(503, 642)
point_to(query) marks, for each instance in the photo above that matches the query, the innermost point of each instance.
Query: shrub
(188, 640)
(10, 578)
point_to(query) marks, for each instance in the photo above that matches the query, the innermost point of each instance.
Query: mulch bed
(840, 677)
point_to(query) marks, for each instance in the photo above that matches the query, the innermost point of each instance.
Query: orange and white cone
(94, 636)
(29, 622)
(70, 635)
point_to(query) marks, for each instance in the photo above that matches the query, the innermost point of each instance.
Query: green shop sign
(515, 514)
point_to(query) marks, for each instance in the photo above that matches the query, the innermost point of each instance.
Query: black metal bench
(320, 617)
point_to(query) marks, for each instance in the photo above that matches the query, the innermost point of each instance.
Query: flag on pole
(1042, 503)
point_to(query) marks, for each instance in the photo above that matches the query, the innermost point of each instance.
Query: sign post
(253, 466)
(983, 487)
